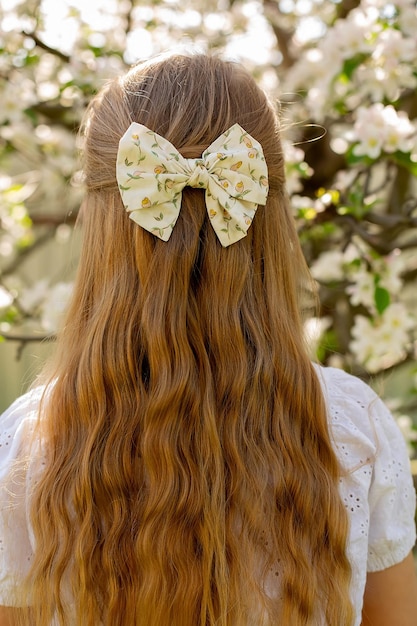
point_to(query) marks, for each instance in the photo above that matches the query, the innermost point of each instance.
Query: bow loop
(151, 174)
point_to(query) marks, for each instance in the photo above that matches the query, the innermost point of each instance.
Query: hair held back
(190, 479)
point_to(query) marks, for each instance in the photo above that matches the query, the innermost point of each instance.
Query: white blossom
(389, 269)
(383, 341)
(392, 48)
(54, 306)
(329, 266)
(398, 320)
(407, 19)
(296, 167)
(362, 289)
(369, 130)
(351, 36)
(31, 297)
(382, 128)
(6, 298)
(314, 329)
(15, 97)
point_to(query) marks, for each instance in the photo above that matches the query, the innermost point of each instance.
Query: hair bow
(151, 174)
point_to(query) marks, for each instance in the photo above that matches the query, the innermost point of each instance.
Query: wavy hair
(190, 478)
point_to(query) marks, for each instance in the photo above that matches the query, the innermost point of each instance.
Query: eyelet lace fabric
(376, 486)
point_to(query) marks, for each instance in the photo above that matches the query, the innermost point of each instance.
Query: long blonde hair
(190, 479)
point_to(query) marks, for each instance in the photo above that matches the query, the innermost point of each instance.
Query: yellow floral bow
(151, 174)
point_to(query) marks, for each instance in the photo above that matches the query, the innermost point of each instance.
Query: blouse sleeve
(392, 498)
(16, 425)
(373, 453)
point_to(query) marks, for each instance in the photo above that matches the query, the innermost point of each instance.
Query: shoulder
(360, 422)
(16, 425)
(349, 400)
(26, 404)
(376, 484)
(17, 459)
(337, 383)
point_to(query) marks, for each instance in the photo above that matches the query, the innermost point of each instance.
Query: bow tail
(158, 219)
(230, 218)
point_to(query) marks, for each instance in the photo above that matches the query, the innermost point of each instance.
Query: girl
(185, 464)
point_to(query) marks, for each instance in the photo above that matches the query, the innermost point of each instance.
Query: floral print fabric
(151, 174)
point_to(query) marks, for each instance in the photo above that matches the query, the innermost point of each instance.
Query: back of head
(189, 100)
(191, 459)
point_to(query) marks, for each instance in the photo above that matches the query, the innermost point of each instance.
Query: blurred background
(343, 76)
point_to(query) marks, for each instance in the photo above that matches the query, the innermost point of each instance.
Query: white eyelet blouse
(377, 489)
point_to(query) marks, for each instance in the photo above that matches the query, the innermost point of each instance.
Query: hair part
(190, 477)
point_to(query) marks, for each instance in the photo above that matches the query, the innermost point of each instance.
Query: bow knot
(200, 176)
(151, 174)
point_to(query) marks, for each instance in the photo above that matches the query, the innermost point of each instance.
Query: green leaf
(358, 159)
(382, 299)
(403, 159)
(328, 344)
(359, 210)
(355, 263)
(350, 65)
(10, 315)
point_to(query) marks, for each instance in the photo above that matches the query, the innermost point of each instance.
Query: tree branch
(384, 242)
(283, 36)
(392, 221)
(13, 266)
(54, 220)
(44, 46)
(23, 340)
(26, 338)
(345, 7)
(57, 113)
(129, 22)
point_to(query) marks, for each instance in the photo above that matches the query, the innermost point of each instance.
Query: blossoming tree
(346, 76)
